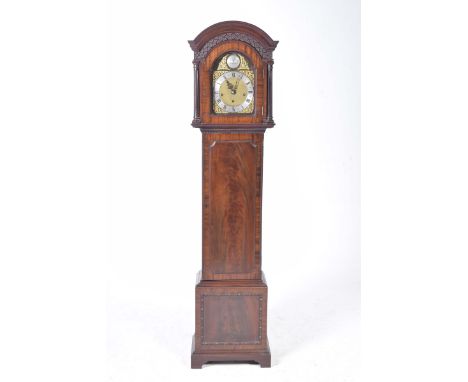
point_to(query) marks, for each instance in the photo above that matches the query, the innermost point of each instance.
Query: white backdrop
(311, 190)
(100, 190)
(86, 204)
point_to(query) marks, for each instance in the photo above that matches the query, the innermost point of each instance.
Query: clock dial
(233, 85)
(233, 61)
(233, 92)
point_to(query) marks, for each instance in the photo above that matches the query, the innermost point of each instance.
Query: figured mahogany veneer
(232, 192)
(231, 292)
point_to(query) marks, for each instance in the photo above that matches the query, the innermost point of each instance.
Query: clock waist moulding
(233, 68)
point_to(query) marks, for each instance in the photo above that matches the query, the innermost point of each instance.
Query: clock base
(263, 358)
(231, 322)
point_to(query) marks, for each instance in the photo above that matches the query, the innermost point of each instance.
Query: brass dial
(233, 92)
(233, 85)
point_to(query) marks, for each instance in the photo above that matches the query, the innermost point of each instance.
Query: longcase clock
(232, 108)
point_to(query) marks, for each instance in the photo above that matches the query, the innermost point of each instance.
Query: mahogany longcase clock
(233, 107)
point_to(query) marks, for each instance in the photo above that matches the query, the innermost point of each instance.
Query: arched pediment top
(232, 31)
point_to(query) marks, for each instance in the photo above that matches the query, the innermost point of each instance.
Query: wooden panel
(231, 319)
(232, 215)
(232, 206)
(231, 315)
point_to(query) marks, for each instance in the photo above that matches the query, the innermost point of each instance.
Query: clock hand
(231, 87)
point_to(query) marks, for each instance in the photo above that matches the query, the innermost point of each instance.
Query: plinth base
(263, 358)
(231, 322)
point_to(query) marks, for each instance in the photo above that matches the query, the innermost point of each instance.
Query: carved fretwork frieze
(265, 53)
